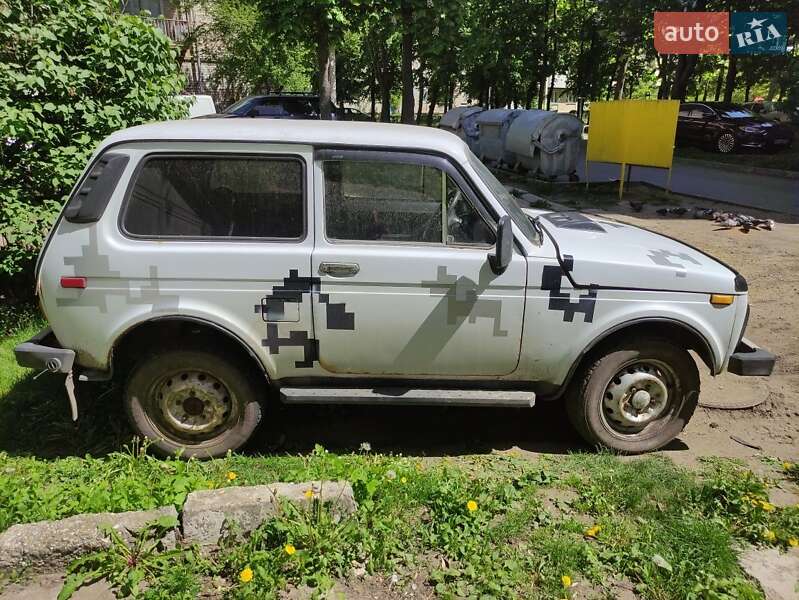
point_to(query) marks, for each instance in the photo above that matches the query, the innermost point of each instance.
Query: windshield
(737, 113)
(244, 102)
(505, 198)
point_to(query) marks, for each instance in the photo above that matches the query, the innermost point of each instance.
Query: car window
(199, 196)
(398, 202)
(270, 109)
(699, 113)
(737, 113)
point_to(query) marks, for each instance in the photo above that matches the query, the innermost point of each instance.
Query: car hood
(610, 254)
(761, 123)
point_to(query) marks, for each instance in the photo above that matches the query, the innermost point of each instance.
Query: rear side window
(217, 197)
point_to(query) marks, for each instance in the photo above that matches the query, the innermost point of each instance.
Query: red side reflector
(73, 282)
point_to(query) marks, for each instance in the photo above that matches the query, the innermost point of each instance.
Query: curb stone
(738, 168)
(205, 511)
(50, 545)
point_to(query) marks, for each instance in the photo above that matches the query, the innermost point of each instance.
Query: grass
(670, 532)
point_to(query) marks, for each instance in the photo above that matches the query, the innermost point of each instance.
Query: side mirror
(500, 258)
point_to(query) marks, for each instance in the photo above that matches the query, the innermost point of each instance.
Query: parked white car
(199, 105)
(203, 263)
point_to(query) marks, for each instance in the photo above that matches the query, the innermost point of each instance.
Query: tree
(249, 58)
(325, 22)
(71, 73)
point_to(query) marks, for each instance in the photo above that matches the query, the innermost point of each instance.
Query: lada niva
(210, 265)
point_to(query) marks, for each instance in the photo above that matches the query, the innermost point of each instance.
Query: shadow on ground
(35, 421)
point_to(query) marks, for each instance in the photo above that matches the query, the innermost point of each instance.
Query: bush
(71, 73)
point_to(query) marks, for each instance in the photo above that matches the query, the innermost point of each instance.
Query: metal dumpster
(493, 126)
(545, 143)
(461, 122)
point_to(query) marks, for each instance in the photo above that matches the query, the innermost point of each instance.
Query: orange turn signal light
(721, 299)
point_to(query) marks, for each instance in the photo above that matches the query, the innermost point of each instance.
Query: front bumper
(748, 359)
(43, 352)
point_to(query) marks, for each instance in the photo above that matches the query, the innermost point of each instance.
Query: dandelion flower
(769, 535)
(289, 549)
(566, 581)
(365, 447)
(403, 480)
(471, 506)
(309, 494)
(231, 475)
(787, 466)
(246, 575)
(793, 542)
(593, 531)
(391, 474)
(767, 506)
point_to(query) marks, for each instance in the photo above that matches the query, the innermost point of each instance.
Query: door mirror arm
(499, 258)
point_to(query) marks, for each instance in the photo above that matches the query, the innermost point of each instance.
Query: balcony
(175, 29)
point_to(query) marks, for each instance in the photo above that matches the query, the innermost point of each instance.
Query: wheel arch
(671, 329)
(167, 329)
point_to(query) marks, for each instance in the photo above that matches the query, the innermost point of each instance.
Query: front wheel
(192, 401)
(636, 397)
(725, 143)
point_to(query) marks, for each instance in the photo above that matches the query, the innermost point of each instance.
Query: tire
(192, 401)
(600, 400)
(725, 143)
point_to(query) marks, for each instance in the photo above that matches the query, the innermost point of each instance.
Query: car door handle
(339, 269)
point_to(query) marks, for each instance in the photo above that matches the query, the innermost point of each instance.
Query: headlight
(748, 129)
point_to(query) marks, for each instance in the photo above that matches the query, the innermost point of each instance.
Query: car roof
(283, 96)
(311, 132)
(723, 105)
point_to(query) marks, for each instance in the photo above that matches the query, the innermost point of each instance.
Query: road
(746, 189)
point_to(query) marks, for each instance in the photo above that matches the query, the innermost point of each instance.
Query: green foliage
(71, 73)
(249, 57)
(126, 566)
(35, 490)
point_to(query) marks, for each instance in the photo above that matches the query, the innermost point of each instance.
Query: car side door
(405, 284)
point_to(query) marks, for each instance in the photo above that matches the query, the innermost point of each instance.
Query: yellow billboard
(633, 132)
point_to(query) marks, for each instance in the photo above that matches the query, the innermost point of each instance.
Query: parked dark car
(285, 106)
(726, 127)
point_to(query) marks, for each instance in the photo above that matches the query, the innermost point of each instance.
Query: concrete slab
(47, 546)
(206, 512)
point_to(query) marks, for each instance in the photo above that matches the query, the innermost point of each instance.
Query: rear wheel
(636, 397)
(192, 401)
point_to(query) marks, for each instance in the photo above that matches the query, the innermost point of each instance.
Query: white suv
(207, 262)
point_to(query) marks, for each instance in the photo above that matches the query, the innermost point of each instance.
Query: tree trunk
(746, 91)
(432, 98)
(373, 96)
(719, 83)
(551, 90)
(406, 114)
(732, 73)
(542, 78)
(421, 93)
(326, 62)
(621, 73)
(528, 97)
(385, 103)
(686, 65)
